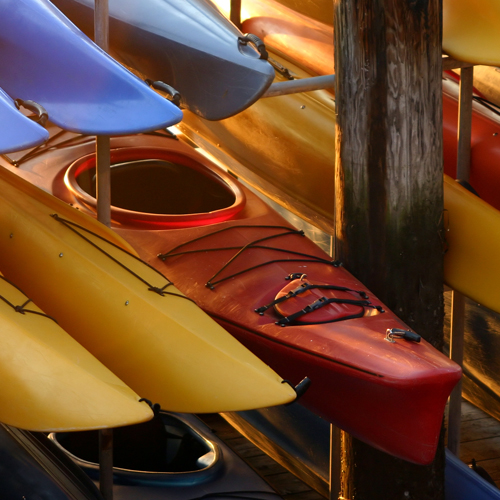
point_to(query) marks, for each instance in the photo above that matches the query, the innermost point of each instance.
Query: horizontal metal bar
(301, 85)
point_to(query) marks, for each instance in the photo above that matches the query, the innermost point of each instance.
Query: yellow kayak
(487, 82)
(470, 31)
(127, 314)
(473, 242)
(318, 10)
(49, 381)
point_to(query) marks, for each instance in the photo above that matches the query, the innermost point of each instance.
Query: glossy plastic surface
(32, 467)
(213, 185)
(347, 361)
(312, 185)
(49, 381)
(462, 483)
(473, 242)
(18, 131)
(53, 63)
(470, 31)
(128, 315)
(189, 45)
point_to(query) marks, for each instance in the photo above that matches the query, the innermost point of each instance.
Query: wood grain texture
(389, 198)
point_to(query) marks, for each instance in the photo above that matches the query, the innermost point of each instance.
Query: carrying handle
(399, 333)
(299, 389)
(41, 115)
(256, 42)
(174, 96)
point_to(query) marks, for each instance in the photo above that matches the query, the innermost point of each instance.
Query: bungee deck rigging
(240, 250)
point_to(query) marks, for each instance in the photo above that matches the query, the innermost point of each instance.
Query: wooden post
(458, 303)
(103, 188)
(335, 466)
(389, 195)
(457, 354)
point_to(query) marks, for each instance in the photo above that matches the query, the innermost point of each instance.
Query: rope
(160, 291)
(288, 231)
(323, 301)
(22, 308)
(303, 288)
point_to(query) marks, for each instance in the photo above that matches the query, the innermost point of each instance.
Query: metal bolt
(303, 106)
(11, 235)
(126, 303)
(60, 255)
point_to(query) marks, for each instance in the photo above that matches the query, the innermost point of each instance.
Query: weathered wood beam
(389, 195)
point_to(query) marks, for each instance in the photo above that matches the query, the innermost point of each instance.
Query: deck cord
(160, 291)
(291, 319)
(21, 309)
(75, 140)
(252, 245)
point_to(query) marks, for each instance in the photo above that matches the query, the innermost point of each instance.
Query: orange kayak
(271, 287)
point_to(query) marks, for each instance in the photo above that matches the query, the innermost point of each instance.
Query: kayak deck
(348, 356)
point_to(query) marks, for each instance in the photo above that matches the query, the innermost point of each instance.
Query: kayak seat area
(164, 444)
(161, 187)
(158, 187)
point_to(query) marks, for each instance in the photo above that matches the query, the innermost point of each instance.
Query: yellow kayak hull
(473, 242)
(161, 344)
(470, 31)
(49, 381)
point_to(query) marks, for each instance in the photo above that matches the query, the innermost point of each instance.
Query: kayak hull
(340, 356)
(141, 326)
(180, 459)
(59, 58)
(31, 466)
(21, 132)
(50, 382)
(184, 40)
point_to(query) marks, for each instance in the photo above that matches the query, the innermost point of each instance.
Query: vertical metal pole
(103, 188)
(334, 463)
(103, 179)
(235, 13)
(458, 301)
(457, 354)
(106, 463)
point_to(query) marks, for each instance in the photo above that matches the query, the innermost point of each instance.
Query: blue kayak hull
(189, 45)
(18, 131)
(31, 467)
(84, 90)
(174, 457)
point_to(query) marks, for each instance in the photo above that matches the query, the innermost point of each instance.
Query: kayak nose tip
(299, 389)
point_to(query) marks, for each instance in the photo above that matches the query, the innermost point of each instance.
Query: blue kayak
(45, 58)
(32, 467)
(188, 45)
(18, 131)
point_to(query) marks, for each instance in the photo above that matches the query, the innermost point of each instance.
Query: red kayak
(266, 283)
